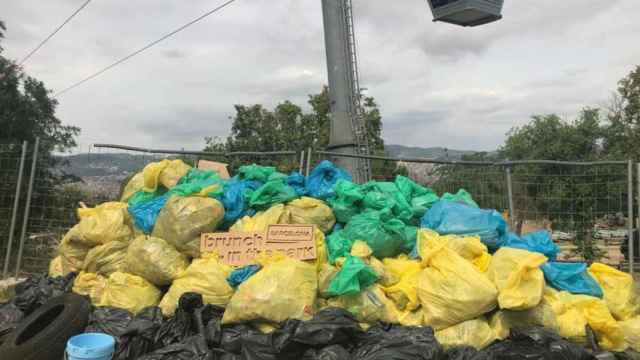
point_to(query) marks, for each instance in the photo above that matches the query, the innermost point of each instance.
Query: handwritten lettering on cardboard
(239, 249)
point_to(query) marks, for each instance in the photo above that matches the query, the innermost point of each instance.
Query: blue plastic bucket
(90, 346)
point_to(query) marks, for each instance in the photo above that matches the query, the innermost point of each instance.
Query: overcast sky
(437, 84)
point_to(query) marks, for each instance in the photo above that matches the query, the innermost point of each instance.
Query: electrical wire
(54, 32)
(120, 61)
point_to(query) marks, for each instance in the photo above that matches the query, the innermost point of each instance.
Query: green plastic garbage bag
(354, 276)
(272, 193)
(419, 197)
(337, 245)
(384, 234)
(382, 195)
(347, 201)
(200, 182)
(256, 172)
(462, 196)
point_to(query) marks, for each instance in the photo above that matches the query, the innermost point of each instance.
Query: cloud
(437, 84)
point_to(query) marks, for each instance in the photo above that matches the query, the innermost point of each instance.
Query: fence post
(630, 216)
(14, 211)
(308, 161)
(510, 195)
(301, 162)
(25, 220)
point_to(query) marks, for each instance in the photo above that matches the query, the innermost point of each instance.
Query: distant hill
(437, 153)
(120, 165)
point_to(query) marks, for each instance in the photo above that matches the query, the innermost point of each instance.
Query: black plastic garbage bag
(533, 344)
(210, 316)
(182, 325)
(399, 343)
(231, 339)
(461, 353)
(328, 327)
(37, 290)
(333, 352)
(192, 348)
(109, 320)
(10, 317)
(139, 336)
(278, 345)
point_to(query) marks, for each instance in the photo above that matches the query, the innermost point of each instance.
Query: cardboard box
(220, 168)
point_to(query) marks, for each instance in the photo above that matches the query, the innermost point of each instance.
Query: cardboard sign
(239, 249)
(220, 168)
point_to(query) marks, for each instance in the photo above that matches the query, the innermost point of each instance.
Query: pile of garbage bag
(400, 272)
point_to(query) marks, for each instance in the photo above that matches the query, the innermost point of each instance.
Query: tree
(288, 127)
(623, 131)
(568, 195)
(27, 111)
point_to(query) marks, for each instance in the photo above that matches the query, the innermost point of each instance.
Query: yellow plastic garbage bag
(55, 267)
(135, 184)
(469, 247)
(619, 289)
(475, 333)
(517, 275)
(574, 312)
(276, 214)
(279, 214)
(206, 276)
(72, 251)
(404, 293)
(104, 223)
(361, 249)
(106, 259)
(631, 330)
(542, 315)
(183, 219)
(91, 285)
(283, 289)
(366, 307)
(451, 290)
(165, 172)
(392, 314)
(155, 260)
(385, 278)
(325, 275)
(308, 210)
(129, 292)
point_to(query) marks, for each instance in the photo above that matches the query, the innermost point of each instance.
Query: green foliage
(27, 111)
(622, 135)
(288, 127)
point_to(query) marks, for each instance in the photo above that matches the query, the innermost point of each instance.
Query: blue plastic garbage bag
(447, 217)
(145, 214)
(538, 241)
(238, 276)
(323, 178)
(235, 198)
(296, 181)
(571, 277)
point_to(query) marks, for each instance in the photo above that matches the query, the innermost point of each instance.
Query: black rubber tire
(43, 335)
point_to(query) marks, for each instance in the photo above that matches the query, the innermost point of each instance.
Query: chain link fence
(589, 207)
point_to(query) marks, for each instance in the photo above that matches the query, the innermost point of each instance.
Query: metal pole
(632, 249)
(341, 135)
(25, 220)
(301, 162)
(630, 216)
(308, 161)
(510, 195)
(14, 211)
